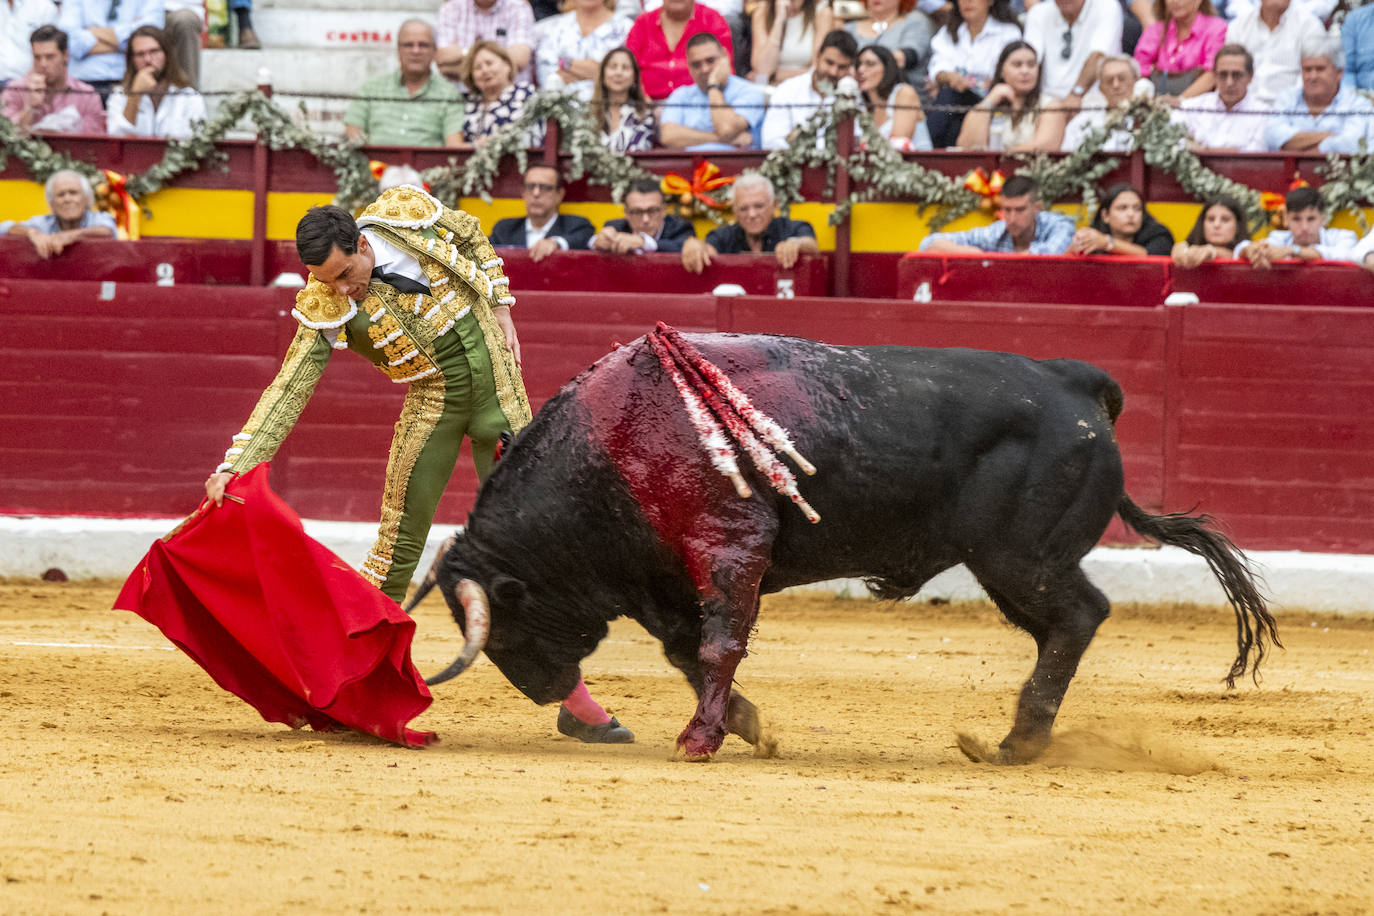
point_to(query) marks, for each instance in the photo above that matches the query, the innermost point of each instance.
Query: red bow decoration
(988, 187)
(377, 167)
(705, 178)
(1272, 202)
(118, 201)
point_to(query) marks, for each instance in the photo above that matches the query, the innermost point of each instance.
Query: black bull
(607, 505)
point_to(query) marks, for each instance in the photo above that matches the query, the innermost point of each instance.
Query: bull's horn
(477, 624)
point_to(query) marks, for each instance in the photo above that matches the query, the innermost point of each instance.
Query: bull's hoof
(611, 732)
(1002, 755)
(697, 749)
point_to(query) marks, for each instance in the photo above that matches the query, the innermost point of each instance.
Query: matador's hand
(214, 486)
(502, 315)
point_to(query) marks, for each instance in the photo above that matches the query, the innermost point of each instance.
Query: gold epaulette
(401, 207)
(320, 307)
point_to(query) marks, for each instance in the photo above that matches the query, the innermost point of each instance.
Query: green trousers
(438, 412)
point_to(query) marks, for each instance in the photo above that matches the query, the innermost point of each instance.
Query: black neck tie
(399, 283)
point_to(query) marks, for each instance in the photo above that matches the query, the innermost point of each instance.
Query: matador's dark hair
(321, 230)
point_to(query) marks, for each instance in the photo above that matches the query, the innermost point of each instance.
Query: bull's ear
(508, 593)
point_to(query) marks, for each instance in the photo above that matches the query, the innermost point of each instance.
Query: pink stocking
(581, 704)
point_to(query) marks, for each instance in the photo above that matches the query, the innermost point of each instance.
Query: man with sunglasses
(647, 226)
(1071, 37)
(415, 288)
(542, 230)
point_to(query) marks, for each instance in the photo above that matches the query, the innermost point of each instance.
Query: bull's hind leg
(1062, 614)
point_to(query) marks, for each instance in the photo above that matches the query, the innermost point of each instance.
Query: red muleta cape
(279, 620)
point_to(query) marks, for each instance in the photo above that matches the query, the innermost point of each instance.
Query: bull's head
(492, 611)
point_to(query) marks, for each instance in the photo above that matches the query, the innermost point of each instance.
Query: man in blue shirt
(1321, 115)
(1023, 228)
(1357, 34)
(718, 111)
(98, 35)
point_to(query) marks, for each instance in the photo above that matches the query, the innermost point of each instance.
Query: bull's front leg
(724, 643)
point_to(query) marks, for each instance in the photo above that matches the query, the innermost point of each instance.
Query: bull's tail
(1255, 627)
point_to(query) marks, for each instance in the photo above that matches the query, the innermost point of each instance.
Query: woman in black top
(1122, 226)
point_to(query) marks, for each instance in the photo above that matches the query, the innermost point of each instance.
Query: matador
(415, 288)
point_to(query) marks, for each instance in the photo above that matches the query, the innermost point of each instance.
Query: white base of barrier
(86, 548)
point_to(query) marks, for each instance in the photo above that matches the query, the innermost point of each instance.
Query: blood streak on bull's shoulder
(637, 417)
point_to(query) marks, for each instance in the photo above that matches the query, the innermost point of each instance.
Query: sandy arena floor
(131, 784)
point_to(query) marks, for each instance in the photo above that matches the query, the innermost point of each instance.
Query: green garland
(877, 169)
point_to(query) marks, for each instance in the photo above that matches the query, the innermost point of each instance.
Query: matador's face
(348, 274)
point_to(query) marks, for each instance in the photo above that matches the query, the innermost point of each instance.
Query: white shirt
(1097, 28)
(533, 235)
(1332, 244)
(1278, 65)
(1321, 10)
(1083, 123)
(389, 259)
(1363, 248)
(173, 118)
(792, 104)
(972, 57)
(16, 25)
(1207, 120)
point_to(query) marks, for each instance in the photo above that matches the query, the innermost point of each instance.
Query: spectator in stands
(184, 21)
(47, 98)
(1023, 226)
(155, 99)
(495, 98)
(393, 176)
(409, 106)
(786, 37)
(1273, 33)
(463, 23)
(620, 107)
(1229, 117)
(756, 229)
(795, 100)
(894, 103)
(1321, 114)
(18, 20)
(1320, 10)
(1071, 37)
(717, 111)
(243, 13)
(647, 226)
(963, 61)
(1305, 236)
(1176, 52)
(572, 45)
(98, 34)
(898, 26)
(1220, 227)
(1123, 226)
(1363, 252)
(1117, 76)
(71, 219)
(1009, 117)
(543, 230)
(658, 40)
(1357, 35)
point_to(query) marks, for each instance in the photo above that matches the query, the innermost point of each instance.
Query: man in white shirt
(155, 99)
(1071, 37)
(1229, 117)
(795, 100)
(18, 20)
(1306, 237)
(1273, 32)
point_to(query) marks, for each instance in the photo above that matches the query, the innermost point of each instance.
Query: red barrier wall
(1257, 413)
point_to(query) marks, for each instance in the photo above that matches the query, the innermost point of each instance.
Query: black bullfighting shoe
(611, 732)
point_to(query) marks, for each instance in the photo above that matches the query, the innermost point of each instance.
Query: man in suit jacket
(543, 230)
(647, 226)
